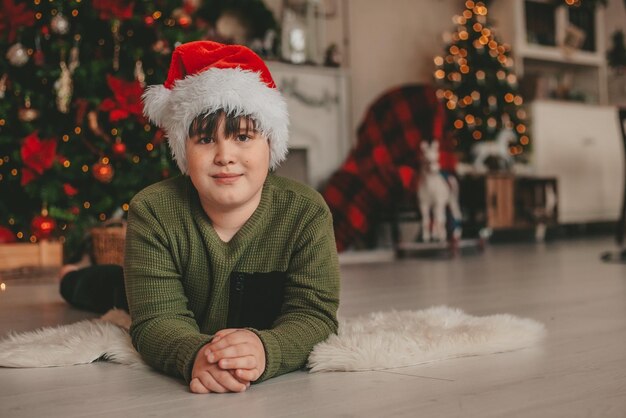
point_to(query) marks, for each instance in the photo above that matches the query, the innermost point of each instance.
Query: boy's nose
(224, 153)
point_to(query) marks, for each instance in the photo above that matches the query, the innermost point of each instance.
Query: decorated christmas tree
(74, 145)
(478, 85)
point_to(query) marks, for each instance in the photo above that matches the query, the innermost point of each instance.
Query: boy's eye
(205, 140)
(243, 138)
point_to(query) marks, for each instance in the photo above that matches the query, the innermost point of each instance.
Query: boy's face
(228, 172)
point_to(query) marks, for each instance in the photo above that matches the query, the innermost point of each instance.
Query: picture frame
(573, 39)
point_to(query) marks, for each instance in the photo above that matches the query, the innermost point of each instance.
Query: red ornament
(6, 235)
(148, 20)
(103, 172)
(191, 6)
(184, 21)
(39, 58)
(158, 138)
(43, 226)
(70, 190)
(119, 148)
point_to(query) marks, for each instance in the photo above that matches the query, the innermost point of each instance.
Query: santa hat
(206, 76)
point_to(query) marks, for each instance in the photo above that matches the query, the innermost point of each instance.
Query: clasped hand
(229, 363)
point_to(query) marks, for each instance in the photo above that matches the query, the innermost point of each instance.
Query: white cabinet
(581, 146)
(550, 49)
(578, 143)
(317, 101)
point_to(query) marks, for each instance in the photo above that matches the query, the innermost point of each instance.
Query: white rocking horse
(498, 148)
(436, 193)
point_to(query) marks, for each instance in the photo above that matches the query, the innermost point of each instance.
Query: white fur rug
(83, 342)
(381, 340)
(386, 340)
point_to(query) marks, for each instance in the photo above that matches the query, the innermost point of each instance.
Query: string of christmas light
(477, 83)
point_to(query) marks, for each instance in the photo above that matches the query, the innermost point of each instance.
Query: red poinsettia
(114, 9)
(28, 175)
(38, 155)
(14, 16)
(126, 100)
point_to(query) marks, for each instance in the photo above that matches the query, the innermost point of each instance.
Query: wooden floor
(579, 371)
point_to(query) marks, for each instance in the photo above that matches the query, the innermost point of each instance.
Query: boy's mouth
(225, 175)
(226, 178)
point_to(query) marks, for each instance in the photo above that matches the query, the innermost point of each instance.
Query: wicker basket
(108, 243)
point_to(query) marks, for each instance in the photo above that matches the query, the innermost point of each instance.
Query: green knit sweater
(178, 272)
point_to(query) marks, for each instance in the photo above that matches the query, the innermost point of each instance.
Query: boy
(231, 273)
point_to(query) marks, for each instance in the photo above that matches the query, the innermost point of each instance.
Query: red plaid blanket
(381, 170)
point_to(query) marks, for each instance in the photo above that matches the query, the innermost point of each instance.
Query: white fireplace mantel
(317, 101)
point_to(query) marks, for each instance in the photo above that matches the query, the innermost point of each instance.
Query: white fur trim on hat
(236, 91)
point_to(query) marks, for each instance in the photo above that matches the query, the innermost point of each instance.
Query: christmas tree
(74, 145)
(478, 85)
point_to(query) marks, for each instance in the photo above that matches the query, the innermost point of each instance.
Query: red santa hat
(207, 76)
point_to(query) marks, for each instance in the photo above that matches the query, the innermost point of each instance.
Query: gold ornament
(60, 24)
(140, 76)
(64, 86)
(161, 47)
(3, 85)
(92, 118)
(74, 59)
(17, 55)
(117, 39)
(27, 113)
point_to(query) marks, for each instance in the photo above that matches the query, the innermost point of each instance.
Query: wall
(393, 43)
(615, 19)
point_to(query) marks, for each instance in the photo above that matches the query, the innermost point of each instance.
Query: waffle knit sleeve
(163, 330)
(309, 312)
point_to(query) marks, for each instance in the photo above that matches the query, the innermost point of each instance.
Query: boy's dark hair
(206, 123)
